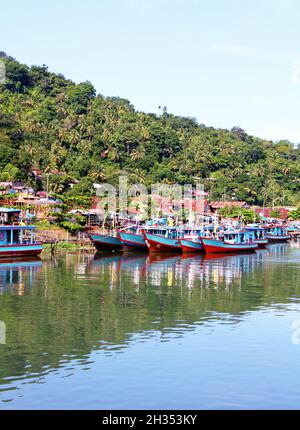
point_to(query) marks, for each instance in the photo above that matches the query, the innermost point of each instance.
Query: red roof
(43, 194)
(95, 202)
(36, 172)
(266, 212)
(219, 205)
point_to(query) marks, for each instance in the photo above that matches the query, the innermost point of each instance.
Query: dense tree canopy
(51, 123)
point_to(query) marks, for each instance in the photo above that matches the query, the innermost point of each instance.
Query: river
(151, 332)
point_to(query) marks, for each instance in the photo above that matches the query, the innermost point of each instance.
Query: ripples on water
(140, 331)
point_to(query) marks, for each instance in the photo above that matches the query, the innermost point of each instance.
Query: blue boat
(276, 233)
(162, 239)
(132, 239)
(17, 240)
(257, 235)
(104, 242)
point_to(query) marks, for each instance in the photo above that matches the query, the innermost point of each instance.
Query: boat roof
(273, 226)
(9, 210)
(234, 232)
(152, 227)
(17, 227)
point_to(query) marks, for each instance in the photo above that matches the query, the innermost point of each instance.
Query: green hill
(51, 123)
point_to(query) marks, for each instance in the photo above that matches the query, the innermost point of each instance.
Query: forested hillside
(51, 123)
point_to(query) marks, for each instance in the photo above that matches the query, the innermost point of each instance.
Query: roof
(9, 210)
(36, 171)
(266, 212)
(15, 184)
(219, 205)
(17, 227)
(42, 194)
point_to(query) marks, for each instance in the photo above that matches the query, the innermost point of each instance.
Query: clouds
(233, 50)
(295, 78)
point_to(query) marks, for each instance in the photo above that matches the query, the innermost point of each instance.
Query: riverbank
(67, 246)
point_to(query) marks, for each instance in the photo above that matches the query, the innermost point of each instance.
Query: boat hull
(189, 246)
(156, 243)
(214, 246)
(132, 241)
(261, 243)
(104, 242)
(278, 239)
(21, 250)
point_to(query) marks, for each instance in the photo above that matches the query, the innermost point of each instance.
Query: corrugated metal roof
(219, 205)
(9, 210)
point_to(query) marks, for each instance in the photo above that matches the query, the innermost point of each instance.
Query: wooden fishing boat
(190, 242)
(19, 241)
(105, 242)
(233, 242)
(276, 234)
(162, 240)
(189, 246)
(132, 239)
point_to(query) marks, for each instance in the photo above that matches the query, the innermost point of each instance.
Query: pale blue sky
(225, 62)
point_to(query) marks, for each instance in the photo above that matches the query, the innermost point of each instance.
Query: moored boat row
(206, 239)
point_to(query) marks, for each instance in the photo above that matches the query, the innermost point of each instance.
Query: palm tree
(138, 153)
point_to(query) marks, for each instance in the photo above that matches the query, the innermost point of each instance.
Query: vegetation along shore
(58, 138)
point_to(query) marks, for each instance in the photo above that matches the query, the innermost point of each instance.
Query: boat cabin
(275, 230)
(237, 237)
(17, 234)
(256, 233)
(9, 216)
(168, 232)
(191, 232)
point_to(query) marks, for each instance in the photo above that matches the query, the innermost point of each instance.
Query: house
(57, 172)
(266, 212)
(37, 174)
(72, 183)
(16, 187)
(42, 194)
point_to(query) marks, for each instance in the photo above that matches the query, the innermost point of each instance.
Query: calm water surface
(133, 331)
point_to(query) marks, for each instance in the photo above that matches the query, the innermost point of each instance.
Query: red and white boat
(162, 240)
(132, 239)
(190, 242)
(190, 246)
(234, 242)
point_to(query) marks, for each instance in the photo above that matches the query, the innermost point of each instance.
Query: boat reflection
(278, 249)
(160, 270)
(80, 306)
(16, 275)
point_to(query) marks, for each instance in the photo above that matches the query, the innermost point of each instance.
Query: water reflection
(188, 271)
(16, 275)
(59, 311)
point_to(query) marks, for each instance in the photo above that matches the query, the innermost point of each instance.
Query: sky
(225, 62)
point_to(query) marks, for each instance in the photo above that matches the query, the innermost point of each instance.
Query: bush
(71, 227)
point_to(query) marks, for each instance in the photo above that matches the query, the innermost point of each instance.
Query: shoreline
(66, 246)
